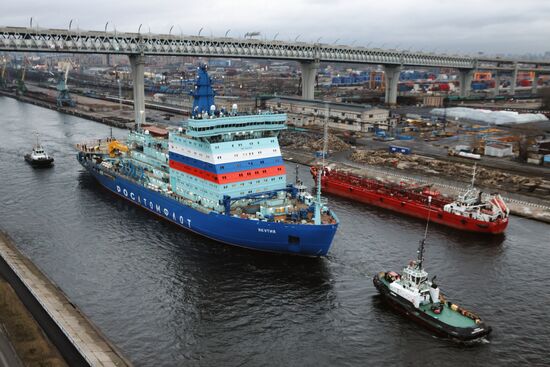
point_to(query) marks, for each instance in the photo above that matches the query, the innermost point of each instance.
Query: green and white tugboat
(420, 299)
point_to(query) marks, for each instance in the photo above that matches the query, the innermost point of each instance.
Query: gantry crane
(3, 82)
(21, 87)
(63, 96)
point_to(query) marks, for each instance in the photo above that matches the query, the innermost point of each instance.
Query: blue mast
(203, 95)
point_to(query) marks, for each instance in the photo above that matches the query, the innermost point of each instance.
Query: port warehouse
(498, 149)
(342, 116)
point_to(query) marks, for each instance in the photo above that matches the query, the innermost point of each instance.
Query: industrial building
(342, 116)
(498, 149)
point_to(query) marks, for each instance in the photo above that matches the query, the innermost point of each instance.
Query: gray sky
(453, 26)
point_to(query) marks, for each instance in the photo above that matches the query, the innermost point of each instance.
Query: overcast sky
(453, 26)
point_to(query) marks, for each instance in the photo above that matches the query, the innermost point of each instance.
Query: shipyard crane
(63, 97)
(3, 82)
(21, 87)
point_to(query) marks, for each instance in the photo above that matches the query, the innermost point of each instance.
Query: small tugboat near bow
(420, 299)
(39, 157)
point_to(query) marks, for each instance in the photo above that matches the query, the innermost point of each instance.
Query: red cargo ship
(472, 211)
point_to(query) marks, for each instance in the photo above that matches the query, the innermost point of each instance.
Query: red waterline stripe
(231, 177)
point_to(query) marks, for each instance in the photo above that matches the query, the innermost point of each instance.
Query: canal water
(169, 298)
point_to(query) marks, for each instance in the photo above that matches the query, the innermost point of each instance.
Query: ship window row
(191, 190)
(207, 128)
(250, 173)
(181, 177)
(245, 154)
(251, 143)
(232, 145)
(191, 142)
(236, 165)
(236, 155)
(265, 180)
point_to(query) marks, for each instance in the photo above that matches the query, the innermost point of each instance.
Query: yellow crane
(116, 146)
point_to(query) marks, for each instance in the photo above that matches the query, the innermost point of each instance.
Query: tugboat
(421, 300)
(38, 157)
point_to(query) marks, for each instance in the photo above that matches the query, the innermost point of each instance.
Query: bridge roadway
(309, 55)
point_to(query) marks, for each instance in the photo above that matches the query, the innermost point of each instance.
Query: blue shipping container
(479, 85)
(402, 150)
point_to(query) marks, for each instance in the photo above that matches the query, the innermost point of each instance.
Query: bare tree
(523, 148)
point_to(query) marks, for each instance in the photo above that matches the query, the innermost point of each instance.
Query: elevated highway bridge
(309, 55)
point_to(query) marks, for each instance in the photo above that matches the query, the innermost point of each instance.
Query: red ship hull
(414, 205)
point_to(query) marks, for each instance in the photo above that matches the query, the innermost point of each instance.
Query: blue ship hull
(297, 239)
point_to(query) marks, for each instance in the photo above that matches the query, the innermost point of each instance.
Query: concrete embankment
(521, 206)
(69, 111)
(106, 110)
(77, 339)
(22, 341)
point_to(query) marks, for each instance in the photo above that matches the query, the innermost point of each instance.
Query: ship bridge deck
(198, 128)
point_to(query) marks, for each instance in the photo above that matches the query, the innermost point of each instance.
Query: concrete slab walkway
(88, 340)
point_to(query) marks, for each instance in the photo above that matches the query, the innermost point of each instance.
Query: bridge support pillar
(496, 89)
(309, 74)
(535, 84)
(466, 77)
(138, 62)
(391, 76)
(514, 80)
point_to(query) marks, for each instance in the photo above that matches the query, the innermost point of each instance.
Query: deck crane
(63, 96)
